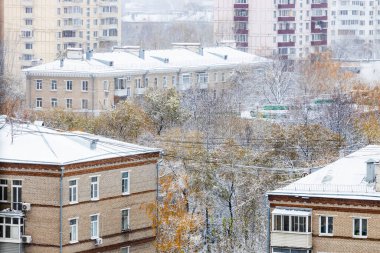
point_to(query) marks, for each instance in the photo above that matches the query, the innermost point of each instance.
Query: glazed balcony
(319, 18)
(241, 31)
(240, 6)
(319, 43)
(296, 240)
(240, 18)
(319, 6)
(286, 44)
(242, 44)
(287, 18)
(286, 6)
(286, 31)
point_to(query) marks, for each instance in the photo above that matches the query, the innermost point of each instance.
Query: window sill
(359, 237)
(291, 232)
(326, 235)
(72, 242)
(97, 199)
(73, 203)
(126, 193)
(94, 237)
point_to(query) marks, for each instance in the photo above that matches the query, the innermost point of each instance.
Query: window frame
(67, 85)
(92, 236)
(327, 225)
(53, 85)
(38, 103)
(67, 103)
(4, 186)
(39, 84)
(293, 221)
(17, 204)
(71, 230)
(86, 86)
(71, 191)
(92, 184)
(123, 229)
(124, 248)
(54, 102)
(129, 183)
(360, 227)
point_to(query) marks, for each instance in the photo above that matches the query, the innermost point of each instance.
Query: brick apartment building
(73, 192)
(97, 82)
(336, 209)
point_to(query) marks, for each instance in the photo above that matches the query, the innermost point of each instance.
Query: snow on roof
(172, 60)
(32, 144)
(295, 212)
(344, 178)
(72, 66)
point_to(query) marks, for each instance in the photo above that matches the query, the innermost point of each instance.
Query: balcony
(240, 18)
(241, 6)
(286, 44)
(286, 31)
(241, 31)
(319, 6)
(286, 18)
(286, 6)
(295, 240)
(318, 18)
(319, 43)
(140, 91)
(241, 44)
(122, 92)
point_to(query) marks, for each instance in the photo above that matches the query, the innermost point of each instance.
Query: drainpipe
(268, 225)
(60, 209)
(93, 94)
(158, 183)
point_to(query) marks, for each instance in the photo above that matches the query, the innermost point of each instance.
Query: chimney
(61, 61)
(93, 144)
(89, 55)
(142, 54)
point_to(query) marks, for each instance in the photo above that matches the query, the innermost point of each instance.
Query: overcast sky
(162, 5)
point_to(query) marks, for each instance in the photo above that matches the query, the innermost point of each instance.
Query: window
(28, 21)
(186, 79)
(69, 85)
(84, 85)
(53, 84)
(94, 226)
(326, 225)
(202, 77)
(85, 104)
(73, 191)
(28, 46)
(360, 227)
(124, 250)
(38, 102)
(28, 10)
(3, 190)
(94, 188)
(16, 195)
(174, 80)
(125, 182)
(106, 85)
(73, 230)
(69, 103)
(125, 220)
(11, 228)
(289, 223)
(164, 81)
(38, 84)
(54, 102)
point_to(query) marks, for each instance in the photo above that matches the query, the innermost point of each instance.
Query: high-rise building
(290, 28)
(40, 30)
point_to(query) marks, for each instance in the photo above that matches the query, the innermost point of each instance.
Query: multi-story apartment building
(98, 82)
(335, 209)
(290, 28)
(40, 30)
(355, 22)
(73, 192)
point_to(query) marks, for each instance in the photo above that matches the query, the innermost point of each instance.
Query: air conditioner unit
(26, 239)
(98, 241)
(26, 206)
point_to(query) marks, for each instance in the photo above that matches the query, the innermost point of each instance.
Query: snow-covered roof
(32, 144)
(79, 67)
(295, 212)
(344, 178)
(129, 62)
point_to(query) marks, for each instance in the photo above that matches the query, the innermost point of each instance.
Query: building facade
(289, 28)
(40, 30)
(335, 209)
(74, 192)
(97, 82)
